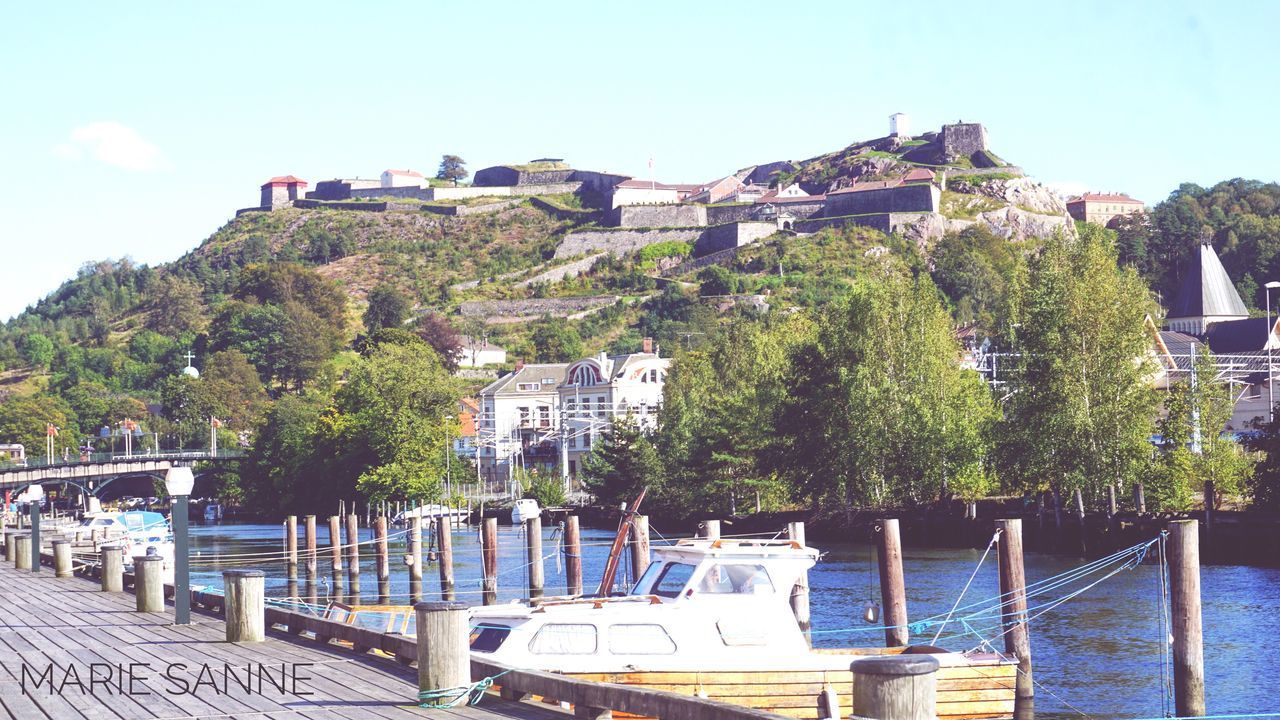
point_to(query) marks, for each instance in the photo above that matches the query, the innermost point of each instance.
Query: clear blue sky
(138, 128)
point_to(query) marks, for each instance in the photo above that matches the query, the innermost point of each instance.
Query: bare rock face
(1018, 224)
(925, 230)
(1025, 193)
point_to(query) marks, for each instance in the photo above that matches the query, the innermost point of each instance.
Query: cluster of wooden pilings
(343, 556)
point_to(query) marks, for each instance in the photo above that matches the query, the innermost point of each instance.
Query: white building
(482, 353)
(899, 125)
(402, 178)
(549, 416)
(644, 192)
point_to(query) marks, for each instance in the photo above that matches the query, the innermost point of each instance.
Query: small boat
(213, 512)
(428, 512)
(713, 618)
(525, 509)
(142, 532)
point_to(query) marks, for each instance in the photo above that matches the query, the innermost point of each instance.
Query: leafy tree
(717, 280)
(367, 344)
(451, 168)
(440, 334)
(177, 308)
(23, 419)
(977, 270)
(256, 331)
(548, 490)
(388, 308)
(292, 452)
(37, 348)
(187, 403)
(234, 389)
(280, 283)
(622, 463)
(309, 340)
(1080, 407)
(879, 410)
(556, 341)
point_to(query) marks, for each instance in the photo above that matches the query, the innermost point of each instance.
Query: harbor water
(1096, 655)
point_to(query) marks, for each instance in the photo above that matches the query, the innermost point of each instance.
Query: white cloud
(112, 144)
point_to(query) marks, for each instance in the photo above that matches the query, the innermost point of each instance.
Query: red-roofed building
(918, 175)
(1103, 208)
(402, 178)
(281, 191)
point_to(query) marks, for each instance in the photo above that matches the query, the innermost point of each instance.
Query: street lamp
(178, 483)
(1271, 393)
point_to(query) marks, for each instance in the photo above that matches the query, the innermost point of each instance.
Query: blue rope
(455, 696)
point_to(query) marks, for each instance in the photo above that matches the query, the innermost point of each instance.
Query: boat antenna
(615, 551)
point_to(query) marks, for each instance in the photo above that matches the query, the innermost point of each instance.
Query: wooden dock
(67, 628)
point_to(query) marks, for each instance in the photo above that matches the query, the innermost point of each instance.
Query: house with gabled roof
(402, 178)
(1103, 208)
(281, 190)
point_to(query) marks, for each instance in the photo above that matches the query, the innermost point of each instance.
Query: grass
(540, 166)
(963, 206)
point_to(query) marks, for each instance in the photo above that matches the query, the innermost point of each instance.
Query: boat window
(640, 640)
(672, 580)
(487, 638)
(642, 585)
(736, 580)
(564, 639)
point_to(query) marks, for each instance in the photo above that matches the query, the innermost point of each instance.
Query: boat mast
(615, 552)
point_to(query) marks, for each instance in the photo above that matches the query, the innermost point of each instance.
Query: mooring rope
(452, 697)
(981, 560)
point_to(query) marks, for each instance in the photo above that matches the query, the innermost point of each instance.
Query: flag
(215, 423)
(50, 430)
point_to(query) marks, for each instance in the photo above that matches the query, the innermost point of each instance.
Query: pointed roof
(1206, 290)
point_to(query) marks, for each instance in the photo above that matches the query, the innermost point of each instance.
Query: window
(528, 387)
(642, 585)
(487, 638)
(672, 580)
(640, 640)
(544, 416)
(573, 468)
(573, 441)
(524, 415)
(586, 439)
(564, 639)
(548, 381)
(736, 580)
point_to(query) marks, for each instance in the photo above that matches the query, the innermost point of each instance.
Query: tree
(440, 334)
(280, 283)
(37, 348)
(879, 410)
(387, 308)
(977, 271)
(1080, 408)
(236, 393)
(716, 280)
(177, 308)
(23, 419)
(556, 341)
(451, 168)
(622, 463)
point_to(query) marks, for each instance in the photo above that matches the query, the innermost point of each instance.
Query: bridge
(93, 472)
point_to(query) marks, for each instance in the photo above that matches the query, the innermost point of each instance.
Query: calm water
(1099, 652)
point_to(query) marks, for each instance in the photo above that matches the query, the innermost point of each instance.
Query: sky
(137, 129)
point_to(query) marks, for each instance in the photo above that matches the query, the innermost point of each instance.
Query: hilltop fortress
(894, 183)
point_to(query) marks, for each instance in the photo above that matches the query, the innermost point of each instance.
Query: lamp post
(1271, 393)
(178, 483)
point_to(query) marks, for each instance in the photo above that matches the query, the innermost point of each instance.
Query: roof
(647, 185)
(1180, 346)
(467, 424)
(687, 187)
(406, 173)
(1103, 197)
(1238, 336)
(469, 404)
(865, 186)
(917, 175)
(506, 385)
(1206, 290)
(773, 198)
(284, 180)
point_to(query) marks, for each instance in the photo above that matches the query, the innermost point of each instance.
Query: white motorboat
(140, 532)
(525, 509)
(213, 513)
(428, 512)
(710, 617)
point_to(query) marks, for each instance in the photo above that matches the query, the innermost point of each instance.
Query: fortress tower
(899, 125)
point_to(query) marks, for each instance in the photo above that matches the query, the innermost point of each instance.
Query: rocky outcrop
(1024, 193)
(510, 311)
(1009, 222)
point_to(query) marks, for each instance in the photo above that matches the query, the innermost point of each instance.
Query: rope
(964, 590)
(455, 696)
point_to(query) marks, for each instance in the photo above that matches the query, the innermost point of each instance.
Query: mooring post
(1111, 501)
(9, 544)
(1184, 605)
(1013, 591)
(895, 687)
(1139, 499)
(291, 553)
(112, 561)
(310, 558)
(1078, 499)
(62, 558)
(148, 583)
(244, 605)
(1113, 522)
(353, 553)
(444, 658)
(893, 588)
(1210, 499)
(414, 559)
(533, 556)
(489, 559)
(444, 538)
(640, 544)
(384, 563)
(710, 529)
(22, 552)
(800, 593)
(35, 536)
(572, 555)
(335, 550)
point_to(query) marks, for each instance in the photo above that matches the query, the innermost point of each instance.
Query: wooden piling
(1112, 506)
(62, 558)
(533, 556)
(1013, 591)
(22, 552)
(895, 687)
(1184, 604)
(148, 583)
(444, 538)
(112, 561)
(489, 559)
(384, 563)
(1078, 500)
(893, 589)
(572, 555)
(800, 593)
(711, 529)
(10, 546)
(34, 560)
(444, 660)
(245, 605)
(1210, 499)
(353, 553)
(415, 559)
(640, 545)
(310, 558)
(335, 552)
(291, 552)
(1139, 499)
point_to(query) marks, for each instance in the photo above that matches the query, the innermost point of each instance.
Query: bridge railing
(91, 458)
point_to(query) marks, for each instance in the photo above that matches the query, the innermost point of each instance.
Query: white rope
(956, 604)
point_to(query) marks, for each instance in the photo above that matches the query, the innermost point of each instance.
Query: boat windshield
(736, 579)
(669, 581)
